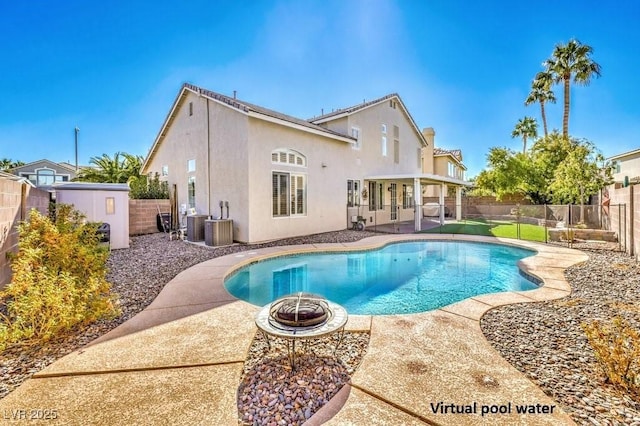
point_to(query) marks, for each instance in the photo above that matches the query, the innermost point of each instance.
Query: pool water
(406, 277)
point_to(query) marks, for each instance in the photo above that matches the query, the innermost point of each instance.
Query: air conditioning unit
(195, 227)
(218, 232)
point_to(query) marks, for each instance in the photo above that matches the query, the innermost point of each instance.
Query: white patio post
(458, 203)
(417, 198)
(442, 204)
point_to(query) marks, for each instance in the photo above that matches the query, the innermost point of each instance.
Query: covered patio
(410, 214)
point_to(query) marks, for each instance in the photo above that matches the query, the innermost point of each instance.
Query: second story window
(355, 133)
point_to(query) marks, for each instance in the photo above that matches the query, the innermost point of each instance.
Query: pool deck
(179, 361)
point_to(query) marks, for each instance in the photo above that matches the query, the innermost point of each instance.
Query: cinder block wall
(629, 213)
(13, 209)
(143, 215)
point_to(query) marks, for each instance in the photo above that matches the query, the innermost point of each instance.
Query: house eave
(425, 177)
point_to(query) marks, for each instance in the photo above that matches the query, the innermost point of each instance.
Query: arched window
(45, 177)
(288, 156)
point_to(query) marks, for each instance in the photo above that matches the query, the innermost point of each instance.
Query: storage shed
(100, 202)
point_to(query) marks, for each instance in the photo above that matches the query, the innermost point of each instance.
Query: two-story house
(281, 176)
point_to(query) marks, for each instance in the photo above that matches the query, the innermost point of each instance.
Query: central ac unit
(218, 232)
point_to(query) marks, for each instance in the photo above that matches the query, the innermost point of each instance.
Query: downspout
(208, 163)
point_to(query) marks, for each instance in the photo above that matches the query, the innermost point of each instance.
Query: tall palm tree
(541, 92)
(113, 170)
(526, 127)
(571, 60)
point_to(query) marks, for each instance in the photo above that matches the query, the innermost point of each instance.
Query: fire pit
(301, 316)
(299, 310)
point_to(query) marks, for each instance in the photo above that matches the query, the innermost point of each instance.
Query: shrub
(59, 279)
(617, 349)
(148, 187)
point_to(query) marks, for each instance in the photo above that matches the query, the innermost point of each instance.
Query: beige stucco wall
(325, 184)
(240, 167)
(221, 172)
(629, 166)
(93, 204)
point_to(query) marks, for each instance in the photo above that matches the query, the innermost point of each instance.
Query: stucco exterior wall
(327, 167)
(629, 166)
(94, 205)
(221, 172)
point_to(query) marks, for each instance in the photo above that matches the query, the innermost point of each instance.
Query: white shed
(100, 202)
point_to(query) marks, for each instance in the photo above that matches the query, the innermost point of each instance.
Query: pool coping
(174, 332)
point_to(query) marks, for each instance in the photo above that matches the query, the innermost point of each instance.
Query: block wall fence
(16, 200)
(143, 215)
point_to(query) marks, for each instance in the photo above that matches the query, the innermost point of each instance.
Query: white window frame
(384, 146)
(191, 165)
(383, 128)
(356, 133)
(294, 195)
(288, 157)
(165, 170)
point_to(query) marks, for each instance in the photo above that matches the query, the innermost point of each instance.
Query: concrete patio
(179, 361)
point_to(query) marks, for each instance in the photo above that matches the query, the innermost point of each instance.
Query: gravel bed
(545, 340)
(137, 275)
(272, 393)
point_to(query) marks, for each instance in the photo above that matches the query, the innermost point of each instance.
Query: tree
(511, 173)
(556, 169)
(118, 169)
(526, 127)
(567, 62)
(541, 92)
(7, 163)
(583, 172)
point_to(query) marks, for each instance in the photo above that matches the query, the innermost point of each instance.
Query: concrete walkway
(179, 361)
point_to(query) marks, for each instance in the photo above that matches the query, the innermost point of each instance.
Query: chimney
(234, 94)
(429, 134)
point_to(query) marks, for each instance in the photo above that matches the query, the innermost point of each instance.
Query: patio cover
(427, 179)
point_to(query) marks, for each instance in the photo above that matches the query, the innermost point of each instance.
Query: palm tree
(541, 92)
(571, 60)
(7, 163)
(113, 170)
(526, 127)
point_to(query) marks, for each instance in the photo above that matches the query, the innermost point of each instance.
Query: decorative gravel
(137, 275)
(545, 340)
(272, 393)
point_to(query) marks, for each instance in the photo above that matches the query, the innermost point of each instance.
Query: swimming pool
(398, 278)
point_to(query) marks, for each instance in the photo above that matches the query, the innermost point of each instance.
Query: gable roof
(456, 154)
(625, 154)
(360, 107)
(48, 163)
(243, 107)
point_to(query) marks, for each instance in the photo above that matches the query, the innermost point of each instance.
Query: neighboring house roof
(356, 108)
(51, 164)
(245, 108)
(10, 176)
(456, 154)
(635, 152)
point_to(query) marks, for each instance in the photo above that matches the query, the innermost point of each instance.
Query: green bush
(59, 279)
(617, 349)
(148, 187)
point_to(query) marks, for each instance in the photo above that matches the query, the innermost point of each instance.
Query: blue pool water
(398, 278)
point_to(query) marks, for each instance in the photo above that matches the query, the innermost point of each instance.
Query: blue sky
(113, 69)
